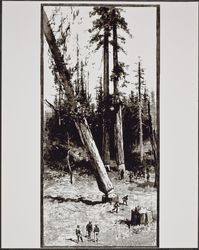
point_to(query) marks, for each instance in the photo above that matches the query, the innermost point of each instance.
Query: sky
(142, 26)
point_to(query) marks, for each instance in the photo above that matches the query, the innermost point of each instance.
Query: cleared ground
(67, 205)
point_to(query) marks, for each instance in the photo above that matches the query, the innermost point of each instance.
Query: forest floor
(67, 205)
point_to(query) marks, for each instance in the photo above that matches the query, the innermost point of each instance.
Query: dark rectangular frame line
(157, 6)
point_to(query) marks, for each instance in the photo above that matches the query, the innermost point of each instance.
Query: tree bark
(152, 136)
(106, 139)
(77, 81)
(103, 180)
(140, 115)
(69, 167)
(119, 139)
(118, 117)
(59, 104)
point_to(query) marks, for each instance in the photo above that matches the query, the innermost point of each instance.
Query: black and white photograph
(100, 125)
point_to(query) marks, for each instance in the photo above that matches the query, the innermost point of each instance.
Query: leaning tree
(77, 113)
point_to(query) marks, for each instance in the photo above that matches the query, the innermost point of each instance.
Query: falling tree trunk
(103, 180)
(106, 139)
(118, 118)
(140, 115)
(100, 172)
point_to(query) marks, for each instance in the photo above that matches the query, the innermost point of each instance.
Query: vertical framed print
(99, 124)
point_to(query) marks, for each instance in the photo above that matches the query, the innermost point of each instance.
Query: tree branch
(50, 105)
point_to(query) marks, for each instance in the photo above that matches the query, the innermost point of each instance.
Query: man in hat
(79, 234)
(89, 229)
(125, 199)
(116, 207)
(130, 177)
(96, 232)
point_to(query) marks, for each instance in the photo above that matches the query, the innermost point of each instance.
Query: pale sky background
(142, 25)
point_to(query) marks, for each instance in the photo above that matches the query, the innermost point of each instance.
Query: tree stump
(141, 217)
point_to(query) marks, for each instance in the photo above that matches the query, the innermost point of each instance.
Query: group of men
(135, 217)
(89, 230)
(117, 204)
(136, 175)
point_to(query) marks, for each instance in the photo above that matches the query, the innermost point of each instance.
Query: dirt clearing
(67, 205)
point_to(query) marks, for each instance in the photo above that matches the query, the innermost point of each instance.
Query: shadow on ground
(125, 222)
(80, 199)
